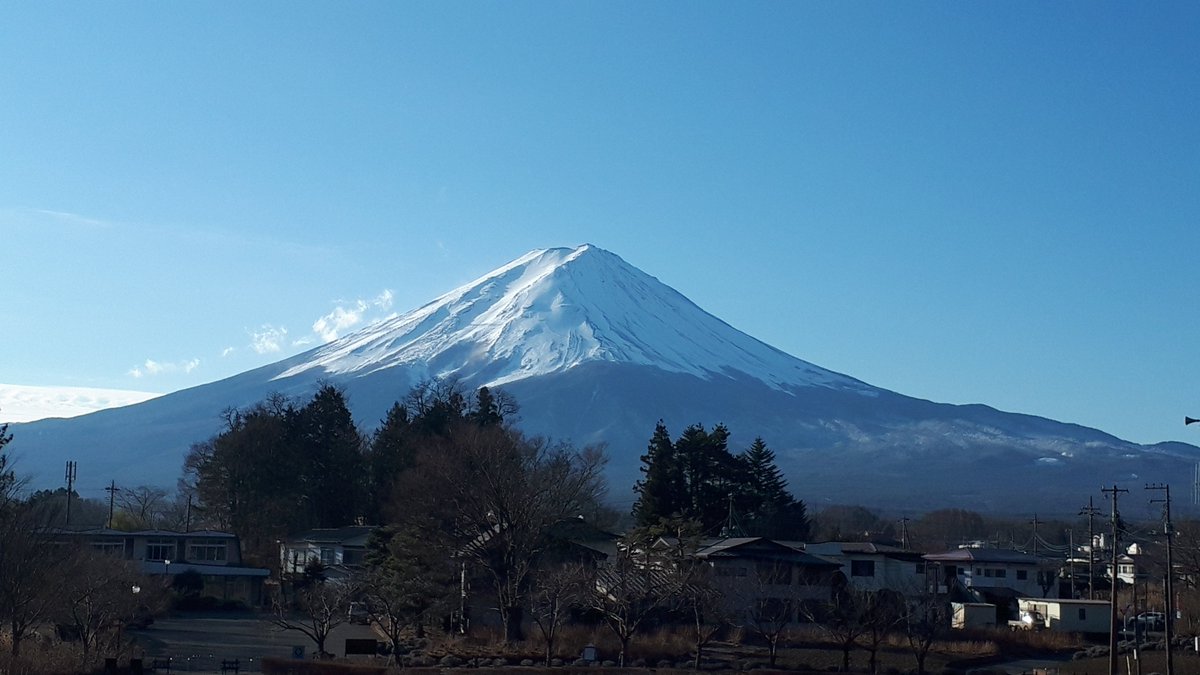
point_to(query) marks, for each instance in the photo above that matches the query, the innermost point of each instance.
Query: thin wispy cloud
(72, 218)
(152, 368)
(349, 315)
(268, 339)
(227, 351)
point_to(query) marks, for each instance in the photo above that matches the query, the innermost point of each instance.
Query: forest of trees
(696, 477)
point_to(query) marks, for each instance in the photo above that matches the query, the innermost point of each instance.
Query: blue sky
(979, 202)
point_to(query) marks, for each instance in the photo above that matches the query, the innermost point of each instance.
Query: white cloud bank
(348, 315)
(23, 403)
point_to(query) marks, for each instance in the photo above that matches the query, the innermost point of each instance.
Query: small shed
(1066, 615)
(973, 615)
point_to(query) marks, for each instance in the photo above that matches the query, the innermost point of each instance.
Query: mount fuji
(596, 351)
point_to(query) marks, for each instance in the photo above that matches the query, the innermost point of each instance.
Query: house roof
(108, 532)
(862, 548)
(350, 535)
(760, 548)
(155, 567)
(983, 555)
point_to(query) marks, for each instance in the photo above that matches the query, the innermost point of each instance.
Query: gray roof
(351, 535)
(108, 532)
(758, 547)
(156, 567)
(983, 555)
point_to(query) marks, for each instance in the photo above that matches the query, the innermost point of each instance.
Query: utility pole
(70, 489)
(1091, 512)
(1071, 560)
(1168, 530)
(904, 533)
(112, 496)
(1035, 522)
(1112, 616)
(187, 521)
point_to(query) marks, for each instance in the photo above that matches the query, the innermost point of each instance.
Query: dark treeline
(280, 467)
(697, 478)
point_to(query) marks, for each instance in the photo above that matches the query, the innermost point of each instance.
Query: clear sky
(966, 202)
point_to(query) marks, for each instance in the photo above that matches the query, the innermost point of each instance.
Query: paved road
(198, 642)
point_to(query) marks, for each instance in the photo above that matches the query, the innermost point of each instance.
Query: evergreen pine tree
(392, 451)
(659, 493)
(771, 509)
(332, 462)
(710, 475)
(487, 411)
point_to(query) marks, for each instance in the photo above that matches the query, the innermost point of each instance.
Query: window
(206, 550)
(1083, 613)
(862, 568)
(1001, 573)
(920, 568)
(160, 549)
(1022, 575)
(113, 548)
(988, 572)
(774, 574)
(326, 556)
(978, 571)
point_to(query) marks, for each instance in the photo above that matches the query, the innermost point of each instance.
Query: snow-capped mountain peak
(551, 310)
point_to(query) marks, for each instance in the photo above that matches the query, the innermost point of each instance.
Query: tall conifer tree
(659, 493)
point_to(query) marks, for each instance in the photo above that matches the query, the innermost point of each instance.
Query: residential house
(215, 556)
(875, 567)
(996, 576)
(1066, 615)
(1132, 566)
(569, 541)
(757, 572)
(339, 549)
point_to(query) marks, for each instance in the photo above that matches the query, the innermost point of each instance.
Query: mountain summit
(596, 351)
(551, 310)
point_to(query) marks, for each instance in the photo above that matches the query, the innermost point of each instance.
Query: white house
(875, 567)
(993, 575)
(1066, 615)
(339, 547)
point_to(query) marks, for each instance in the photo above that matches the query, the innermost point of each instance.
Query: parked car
(1155, 621)
(358, 613)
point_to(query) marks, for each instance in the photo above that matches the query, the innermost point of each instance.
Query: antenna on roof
(733, 527)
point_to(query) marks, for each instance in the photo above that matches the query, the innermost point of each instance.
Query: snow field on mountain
(552, 310)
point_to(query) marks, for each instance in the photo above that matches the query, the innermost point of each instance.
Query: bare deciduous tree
(101, 594)
(500, 493)
(555, 592)
(642, 582)
(141, 507)
(32, 569)
(926, 618)
(316, 610)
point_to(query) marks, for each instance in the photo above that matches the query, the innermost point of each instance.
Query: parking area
(200, 642)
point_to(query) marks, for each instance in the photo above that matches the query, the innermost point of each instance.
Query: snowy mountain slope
(596, 351)
(552, 310)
